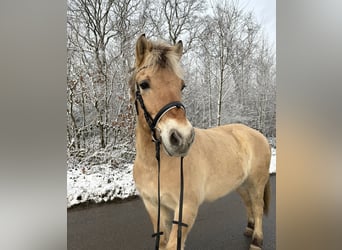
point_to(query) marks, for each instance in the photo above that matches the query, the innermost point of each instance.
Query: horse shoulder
(141, 175)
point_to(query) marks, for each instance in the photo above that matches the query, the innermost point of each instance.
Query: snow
(99, 183)
(103, 182)
(273, 161)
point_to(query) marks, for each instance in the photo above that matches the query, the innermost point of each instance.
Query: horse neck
(144, 145)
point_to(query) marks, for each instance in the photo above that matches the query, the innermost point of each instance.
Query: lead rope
(180, 211)
(180, 223)
(157, 234)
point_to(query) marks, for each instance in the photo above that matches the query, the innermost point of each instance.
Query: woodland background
(230, 70)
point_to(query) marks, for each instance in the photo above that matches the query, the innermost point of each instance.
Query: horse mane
(160, 56)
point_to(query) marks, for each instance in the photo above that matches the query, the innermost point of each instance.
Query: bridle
(152, 123)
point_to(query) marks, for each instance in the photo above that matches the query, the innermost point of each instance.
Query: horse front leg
(165, 220)
(189, 216)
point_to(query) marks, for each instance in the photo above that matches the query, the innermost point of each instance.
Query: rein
(152, 122)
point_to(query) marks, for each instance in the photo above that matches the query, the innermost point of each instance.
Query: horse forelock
(163, 55)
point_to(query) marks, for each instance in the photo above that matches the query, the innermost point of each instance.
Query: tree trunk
(219, 101)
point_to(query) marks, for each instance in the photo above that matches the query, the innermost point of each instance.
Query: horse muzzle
(177, 139)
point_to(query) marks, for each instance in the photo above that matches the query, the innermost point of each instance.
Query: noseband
(152, 123)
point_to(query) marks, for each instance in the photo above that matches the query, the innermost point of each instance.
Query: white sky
(265, 12)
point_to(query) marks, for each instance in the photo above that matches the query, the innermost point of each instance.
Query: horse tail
(267, 197)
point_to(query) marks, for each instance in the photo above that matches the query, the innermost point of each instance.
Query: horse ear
(179, 48)
(140, 48)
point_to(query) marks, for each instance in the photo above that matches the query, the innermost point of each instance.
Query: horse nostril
(175, 138)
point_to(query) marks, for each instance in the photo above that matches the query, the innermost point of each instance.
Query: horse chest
(147, 185)
(143, 177)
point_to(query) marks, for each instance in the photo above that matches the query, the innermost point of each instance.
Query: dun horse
(216, 160)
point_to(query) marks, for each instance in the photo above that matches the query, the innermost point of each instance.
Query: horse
(217, 160)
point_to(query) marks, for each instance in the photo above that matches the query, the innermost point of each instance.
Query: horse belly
(219, 185)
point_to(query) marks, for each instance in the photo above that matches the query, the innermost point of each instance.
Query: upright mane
(162, 55)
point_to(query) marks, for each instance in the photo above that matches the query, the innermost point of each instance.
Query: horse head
(156, 87)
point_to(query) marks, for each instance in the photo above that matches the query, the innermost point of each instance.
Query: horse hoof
(248, 232)
(256, 244)
(254, 247)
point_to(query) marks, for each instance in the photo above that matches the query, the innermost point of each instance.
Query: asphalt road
(126, 226)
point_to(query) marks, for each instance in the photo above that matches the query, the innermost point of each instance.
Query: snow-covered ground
(101, 183)
(273, 164)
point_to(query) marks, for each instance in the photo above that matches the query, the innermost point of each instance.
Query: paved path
(126, 226)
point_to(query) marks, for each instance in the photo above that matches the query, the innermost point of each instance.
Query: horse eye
(183, 86)
(144, 85)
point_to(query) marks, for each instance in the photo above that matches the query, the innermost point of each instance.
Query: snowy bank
(273, 163)
(99, 183)
(103, 182)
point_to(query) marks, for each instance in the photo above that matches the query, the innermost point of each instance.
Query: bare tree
(230, 44)
(176, 19)
(265, 91)
(90, 26)
(224, 30)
